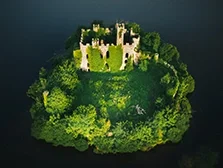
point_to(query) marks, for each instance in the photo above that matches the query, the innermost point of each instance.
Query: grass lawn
(117, 94)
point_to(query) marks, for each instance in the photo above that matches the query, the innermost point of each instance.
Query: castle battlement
(129, 50)
(96, 27)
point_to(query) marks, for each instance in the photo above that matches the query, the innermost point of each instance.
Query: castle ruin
(129, 49)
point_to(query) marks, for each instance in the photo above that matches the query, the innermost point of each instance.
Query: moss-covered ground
(118, 94)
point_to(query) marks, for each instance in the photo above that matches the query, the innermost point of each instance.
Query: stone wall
(128, 50)
(84, 61)
(120, 33)
(104, 48)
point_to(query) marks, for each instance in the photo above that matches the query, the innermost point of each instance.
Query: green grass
(115, 58)
(96, 63)
(77, 57)
(115, 94)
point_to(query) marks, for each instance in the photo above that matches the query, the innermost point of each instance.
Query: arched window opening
(107, 54)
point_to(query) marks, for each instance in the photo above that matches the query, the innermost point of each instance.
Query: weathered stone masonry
(129, 50)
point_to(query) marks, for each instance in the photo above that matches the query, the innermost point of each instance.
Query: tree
(73, 39)
(57, 101)
(52, 130)
(82, 121)
(150, 42)
(35, 90)
(116, 111)
(187, 85)
(135, 27)
(81, 144)
(143, 65)
(166, 79)
(104, 144)
(37, 108)
(168, 52)
(64, 75)
(181, 68)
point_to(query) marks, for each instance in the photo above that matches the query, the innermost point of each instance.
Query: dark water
(31, 31)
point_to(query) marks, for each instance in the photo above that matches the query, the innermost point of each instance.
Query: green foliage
(171, 83)
(182, 69)
(160, 102)
(81, 144)
(64, 75)
(143, 65)
(187, 86)
(174, 135)
(96, 62)
(35, 90)
(53, 131)
(150, 42)
(37, 107)
(135, 27)
(168, 52)
(77, 58)
(116, 111)
(129, 65)
(83, 123)
(87, 36)
(190, 84)
(103, 145)
(57, 101)
(115, 59)
(166, 79)
(73, 41)
(100, 33)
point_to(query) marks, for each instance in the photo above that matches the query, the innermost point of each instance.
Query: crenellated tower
(120, 27)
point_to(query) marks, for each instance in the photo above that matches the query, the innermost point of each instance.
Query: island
(116, 89)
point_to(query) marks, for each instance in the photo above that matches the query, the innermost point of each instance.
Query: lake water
(33, 30)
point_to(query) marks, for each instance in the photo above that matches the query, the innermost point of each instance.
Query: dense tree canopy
(57, 101)
(150, 42)
(134, 109)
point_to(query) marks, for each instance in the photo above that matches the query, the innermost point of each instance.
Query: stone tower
(96, 27)
(120, 33)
